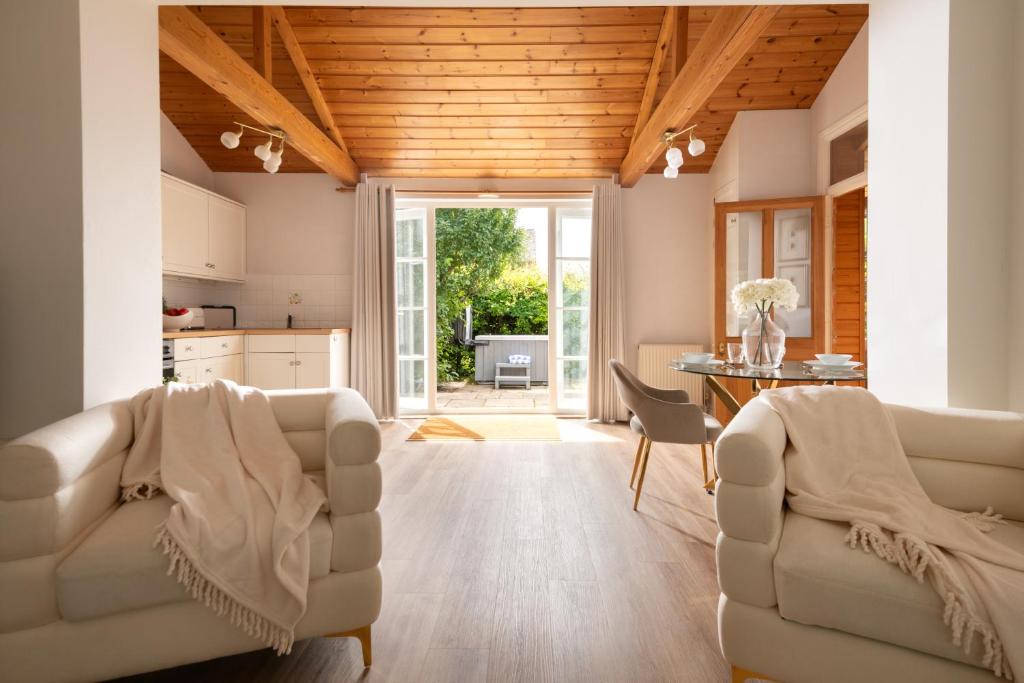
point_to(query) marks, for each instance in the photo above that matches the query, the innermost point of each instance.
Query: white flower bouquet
(764, 343)
(764, 293)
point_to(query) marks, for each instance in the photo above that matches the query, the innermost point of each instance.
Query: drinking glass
(734, 350)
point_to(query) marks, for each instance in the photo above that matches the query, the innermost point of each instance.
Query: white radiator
(653, 369)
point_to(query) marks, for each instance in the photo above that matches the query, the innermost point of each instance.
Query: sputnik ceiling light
(674, 155)
(266, 153)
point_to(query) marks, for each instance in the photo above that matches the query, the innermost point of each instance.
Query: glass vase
(764, 342)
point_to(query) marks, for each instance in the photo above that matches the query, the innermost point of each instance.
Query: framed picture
(800, 276)
(794, 238)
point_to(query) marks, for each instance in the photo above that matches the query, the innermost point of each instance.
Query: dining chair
(666, 416)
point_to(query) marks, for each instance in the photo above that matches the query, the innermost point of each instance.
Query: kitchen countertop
(193, 334)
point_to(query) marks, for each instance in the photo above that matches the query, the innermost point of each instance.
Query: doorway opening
(492, 305)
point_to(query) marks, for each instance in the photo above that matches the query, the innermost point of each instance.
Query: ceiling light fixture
(674, 156)
(271, 159)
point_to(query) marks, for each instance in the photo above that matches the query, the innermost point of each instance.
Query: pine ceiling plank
(432, 35)
(503, 109)
(480, 82)
(504, 52)
(761, 102)
(485, 133)
(527, 122)
(759, 60)
(785, 74)
(184, 37)
(730, 35)
(608, 165)
(451, 16)
(802, 43)
(489, 153)
(326, 67)
(363, 144)
(305, 74)
(668, 30)
(492, 172)
(484, 96)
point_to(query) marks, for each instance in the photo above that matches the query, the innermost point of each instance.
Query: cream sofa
(83, 593)
(798, 605)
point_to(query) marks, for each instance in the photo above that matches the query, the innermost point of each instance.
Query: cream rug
(488, 428)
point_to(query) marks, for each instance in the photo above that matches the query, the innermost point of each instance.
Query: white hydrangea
(764, 292)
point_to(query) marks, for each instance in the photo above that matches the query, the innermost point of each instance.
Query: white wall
(178, 158)
(980, 103)
(80, 257)
(668, 261)
(908, 103)
(1016, 296)
(845, 92)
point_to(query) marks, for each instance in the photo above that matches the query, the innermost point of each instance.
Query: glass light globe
(674, 157)
(271, 166)
(670, 172)
(230, 139)
(696, 147)
(262, 152)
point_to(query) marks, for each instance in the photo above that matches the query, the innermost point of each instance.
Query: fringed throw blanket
(237, 534)
(845, 463)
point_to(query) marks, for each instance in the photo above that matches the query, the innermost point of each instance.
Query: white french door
(568, 272)
(413, 281)
(569, 306)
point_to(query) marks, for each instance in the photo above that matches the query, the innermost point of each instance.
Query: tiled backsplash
(264, 300)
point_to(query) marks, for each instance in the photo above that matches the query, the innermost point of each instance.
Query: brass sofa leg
(743, 675)
(363, 634)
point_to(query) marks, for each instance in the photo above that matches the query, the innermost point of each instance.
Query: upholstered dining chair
(666, 416)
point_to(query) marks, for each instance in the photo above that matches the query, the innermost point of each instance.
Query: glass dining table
(790, 371)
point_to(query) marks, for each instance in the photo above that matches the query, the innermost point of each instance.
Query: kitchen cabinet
(272, 370)
(202, 360)
(203, 233)
(299, 361)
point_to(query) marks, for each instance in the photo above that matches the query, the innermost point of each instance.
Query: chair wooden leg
(363, 634)
(743, 675)
(704, 463)
(643, 471)
(636, 461)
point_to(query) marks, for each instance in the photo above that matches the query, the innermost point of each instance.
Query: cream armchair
(85, 596)
(798, 605)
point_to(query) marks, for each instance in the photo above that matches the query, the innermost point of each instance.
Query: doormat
(488, 428)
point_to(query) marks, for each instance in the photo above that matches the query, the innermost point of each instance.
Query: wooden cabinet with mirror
(770, 238)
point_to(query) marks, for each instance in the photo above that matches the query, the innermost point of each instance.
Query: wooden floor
(525, 562)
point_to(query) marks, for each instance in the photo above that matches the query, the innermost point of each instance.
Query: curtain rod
(487, 194)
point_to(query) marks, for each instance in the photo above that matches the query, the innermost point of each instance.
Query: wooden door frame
(862, 188)
(768, 208)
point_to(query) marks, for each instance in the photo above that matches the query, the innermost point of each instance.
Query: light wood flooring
(513, 561)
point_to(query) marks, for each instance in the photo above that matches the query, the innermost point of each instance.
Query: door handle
(721, 347)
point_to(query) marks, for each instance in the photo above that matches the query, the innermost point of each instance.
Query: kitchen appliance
(219, 317)
(168, 359)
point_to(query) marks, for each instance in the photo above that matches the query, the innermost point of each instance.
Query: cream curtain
(374, 351)
(607, 305)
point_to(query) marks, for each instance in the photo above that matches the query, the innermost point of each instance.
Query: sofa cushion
(116, 568)
(821, 581)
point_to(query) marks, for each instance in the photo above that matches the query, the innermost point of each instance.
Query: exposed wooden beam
(681, 40)
(291, 44)
(262, 55)
(190, 42)
(725, 41)
(668, 27)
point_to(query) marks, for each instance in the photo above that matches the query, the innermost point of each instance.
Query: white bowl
(174, 323)
(834, 358)
(697, 358)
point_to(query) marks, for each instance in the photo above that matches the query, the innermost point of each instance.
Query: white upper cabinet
(227, 239)
(203, 233)
(185, 226)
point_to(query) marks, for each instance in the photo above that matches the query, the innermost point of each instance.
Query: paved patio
(475, 396)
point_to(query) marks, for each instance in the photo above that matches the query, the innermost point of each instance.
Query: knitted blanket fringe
(143, 490)
(914, 557)
(201, 589)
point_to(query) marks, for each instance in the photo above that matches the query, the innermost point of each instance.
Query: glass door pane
(572, 306)
(742, 260)
(793, 251)
(411, 300)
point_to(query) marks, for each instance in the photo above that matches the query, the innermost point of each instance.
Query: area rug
(488, 428)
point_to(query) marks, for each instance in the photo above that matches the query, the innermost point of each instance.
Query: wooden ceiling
(498, 92)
